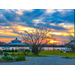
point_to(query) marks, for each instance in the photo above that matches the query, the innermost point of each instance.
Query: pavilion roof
(15, 43)
(71, 42)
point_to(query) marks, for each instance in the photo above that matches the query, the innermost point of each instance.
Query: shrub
(0, 59)
(6, 58)
(15, 50)
(13, 54)
(9, 50)
(20, 58)
(1, 52)
(4, 50)
(12, 50)
(27, 50)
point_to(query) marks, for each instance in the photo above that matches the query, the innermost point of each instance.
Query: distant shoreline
(44, 46)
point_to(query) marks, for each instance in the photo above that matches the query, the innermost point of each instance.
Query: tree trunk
(53, 49)
(35, 49)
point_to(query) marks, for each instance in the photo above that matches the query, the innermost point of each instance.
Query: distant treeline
(2, 44)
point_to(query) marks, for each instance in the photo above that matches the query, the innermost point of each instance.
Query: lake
(45, 48)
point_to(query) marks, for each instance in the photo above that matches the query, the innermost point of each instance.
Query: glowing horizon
(13, 22)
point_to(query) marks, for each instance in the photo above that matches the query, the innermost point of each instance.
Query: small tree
(12, 50)
(37, 38)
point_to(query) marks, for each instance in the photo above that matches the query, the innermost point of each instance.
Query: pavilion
(15, 43)
(67, 45)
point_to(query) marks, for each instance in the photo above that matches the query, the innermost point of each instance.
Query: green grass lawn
(21, 53)
(14, 52)
(43, 53)
(58, 52)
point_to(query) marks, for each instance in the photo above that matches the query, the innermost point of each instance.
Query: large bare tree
(37, 38)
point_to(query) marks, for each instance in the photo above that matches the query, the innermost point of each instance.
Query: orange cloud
(5, 39)
(6, 31)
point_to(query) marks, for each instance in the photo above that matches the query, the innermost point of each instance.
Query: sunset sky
(14, 21)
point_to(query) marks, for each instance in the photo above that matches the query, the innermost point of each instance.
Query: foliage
(15, 50)
(0, 59)
(9, 51)
(71, 46)
(1, 52)
(27, 50)
(6, 58)
(20, 58)
(12, 54)
(12, 50)
(4, 50)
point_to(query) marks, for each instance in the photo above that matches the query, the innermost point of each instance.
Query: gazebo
(15, 43)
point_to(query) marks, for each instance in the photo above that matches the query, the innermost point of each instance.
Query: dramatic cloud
(13, 21)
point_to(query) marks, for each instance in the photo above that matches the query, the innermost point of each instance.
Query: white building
(67, 46)
(15, 43)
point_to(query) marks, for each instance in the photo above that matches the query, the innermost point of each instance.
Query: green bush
(15, 50)
(20, 58)
(9, 50)
(1, 52)
(6, 58)
(27, 50)
(4, 50)
(0, 59)
(12, 50)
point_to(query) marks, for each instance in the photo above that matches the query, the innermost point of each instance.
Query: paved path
(51, 60)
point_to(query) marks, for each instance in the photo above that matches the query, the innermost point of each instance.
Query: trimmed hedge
(20, 58)
(6, 58)
(4, 50)
(27, 50)
(10, 51)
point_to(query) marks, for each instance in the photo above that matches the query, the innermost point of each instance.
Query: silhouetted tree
(37, 38)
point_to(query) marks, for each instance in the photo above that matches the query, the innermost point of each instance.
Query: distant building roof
(72, 42)
(16, 40)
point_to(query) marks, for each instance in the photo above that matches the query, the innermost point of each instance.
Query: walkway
(51, 60)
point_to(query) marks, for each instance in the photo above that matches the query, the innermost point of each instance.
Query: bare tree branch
(38, 37)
